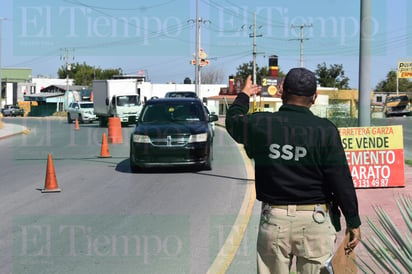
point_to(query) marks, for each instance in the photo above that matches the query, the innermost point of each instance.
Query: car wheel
(208, 164)
(133, 167)
(69, 119)
(103, 121)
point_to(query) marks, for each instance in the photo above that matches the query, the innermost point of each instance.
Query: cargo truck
(117, 98)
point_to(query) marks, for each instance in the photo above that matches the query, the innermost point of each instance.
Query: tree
(333, 77)
(389, 84)
(83, 74)
(246, 69)
(212, 76)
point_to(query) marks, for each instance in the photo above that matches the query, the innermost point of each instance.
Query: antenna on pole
(301, 27)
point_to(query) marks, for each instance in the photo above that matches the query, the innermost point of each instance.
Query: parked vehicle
(116, 98)
(172, 132)
(397, 104)
(12, 110)
(83, 111)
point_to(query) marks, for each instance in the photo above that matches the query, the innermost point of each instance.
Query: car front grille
(171, 141)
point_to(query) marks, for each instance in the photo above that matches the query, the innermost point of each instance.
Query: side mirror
(213, 117)
(107, 101)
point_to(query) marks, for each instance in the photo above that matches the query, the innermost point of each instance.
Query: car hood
(162, 130)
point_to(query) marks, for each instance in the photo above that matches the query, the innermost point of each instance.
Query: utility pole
(397, 80)
(1, 83)
(364, 119)
(198, 22)
(254, 35)
(197, 65)
(66, 57)
(301, 27)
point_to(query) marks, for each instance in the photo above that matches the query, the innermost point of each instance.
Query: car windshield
(173, 112)
(397, 98)
(123, 101)
(181, 94)
(87, 105)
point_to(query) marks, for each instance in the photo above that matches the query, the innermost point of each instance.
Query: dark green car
(172, 132)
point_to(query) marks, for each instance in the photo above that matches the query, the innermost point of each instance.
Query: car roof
(181, 94)
(173, 100)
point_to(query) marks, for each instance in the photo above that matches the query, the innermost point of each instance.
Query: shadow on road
(124, 167)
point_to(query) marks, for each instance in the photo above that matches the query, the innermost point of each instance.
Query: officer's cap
(300, 81)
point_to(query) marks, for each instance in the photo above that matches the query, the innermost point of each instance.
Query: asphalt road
(107, 219)
(406, 122)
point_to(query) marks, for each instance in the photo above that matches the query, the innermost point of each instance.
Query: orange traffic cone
(50, 184)
(77, 124)
(104, 152)
(115, 130)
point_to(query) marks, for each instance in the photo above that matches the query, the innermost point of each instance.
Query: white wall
(45, 82)
(9, 94)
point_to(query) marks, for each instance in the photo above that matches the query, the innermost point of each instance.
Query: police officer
(300, 169)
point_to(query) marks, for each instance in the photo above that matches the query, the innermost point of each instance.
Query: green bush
(390, 250)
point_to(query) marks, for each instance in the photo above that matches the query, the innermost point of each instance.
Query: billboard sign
(405, 69)
(375, 155)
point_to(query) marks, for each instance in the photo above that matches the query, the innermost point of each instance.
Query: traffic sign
(202, 62)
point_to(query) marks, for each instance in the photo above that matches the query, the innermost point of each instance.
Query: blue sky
(158, 37)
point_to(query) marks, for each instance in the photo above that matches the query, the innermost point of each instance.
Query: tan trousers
(284, 235)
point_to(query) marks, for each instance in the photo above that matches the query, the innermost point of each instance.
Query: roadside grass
(60, 114)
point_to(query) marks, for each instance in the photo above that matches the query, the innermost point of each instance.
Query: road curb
(7, 132)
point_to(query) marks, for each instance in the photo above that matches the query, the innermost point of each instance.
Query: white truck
(117, 98)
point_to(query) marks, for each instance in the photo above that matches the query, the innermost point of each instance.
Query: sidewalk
(9, 130)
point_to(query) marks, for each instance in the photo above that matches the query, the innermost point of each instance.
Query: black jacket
(299, 157)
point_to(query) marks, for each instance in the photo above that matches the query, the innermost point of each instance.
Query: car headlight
(197, 138)
(141, 138)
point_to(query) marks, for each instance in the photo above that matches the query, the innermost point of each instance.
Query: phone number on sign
(371, 183)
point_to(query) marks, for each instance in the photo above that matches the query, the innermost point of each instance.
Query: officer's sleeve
(236, 118)
(338, 177)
